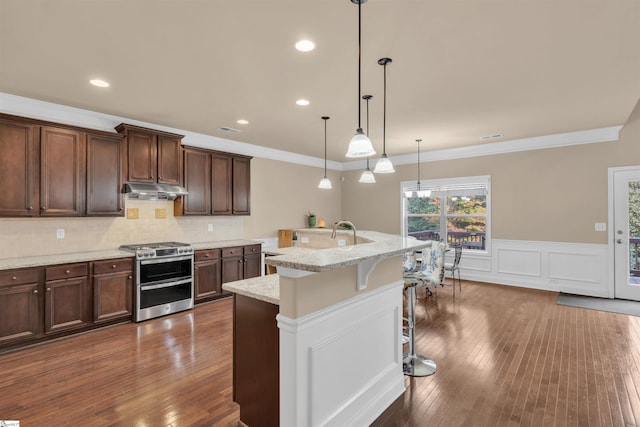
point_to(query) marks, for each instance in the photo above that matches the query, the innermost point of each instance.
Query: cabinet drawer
(18, 277)
(252, 249)
(235, 251)
(112, 266)
(206, 255)
(66, 271)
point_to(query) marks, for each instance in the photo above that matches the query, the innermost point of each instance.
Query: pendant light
(384, 165)
(418, 192)
(324, 182)
(367, 176)
(360, 145)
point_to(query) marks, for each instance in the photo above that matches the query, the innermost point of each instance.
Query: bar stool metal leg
(415, 365)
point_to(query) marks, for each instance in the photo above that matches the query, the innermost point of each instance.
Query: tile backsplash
(39, 236)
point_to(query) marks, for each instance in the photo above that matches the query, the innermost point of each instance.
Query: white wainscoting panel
(575, 268)
(342, 366)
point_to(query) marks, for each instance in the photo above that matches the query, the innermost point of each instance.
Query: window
(456, 210)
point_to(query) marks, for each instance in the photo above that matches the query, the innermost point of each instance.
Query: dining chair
(454, 267)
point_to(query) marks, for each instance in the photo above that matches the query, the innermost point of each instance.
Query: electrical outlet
(601, 226)
(209, 227)
(304, 239)
(342, 242)
(161, 213)
(60, 233)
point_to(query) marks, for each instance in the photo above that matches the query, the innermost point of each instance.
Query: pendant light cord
(418, 141)
(367, 97)
(325, 145)
(384, 114)
(359, 59)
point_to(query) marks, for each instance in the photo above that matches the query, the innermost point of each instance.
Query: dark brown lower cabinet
(112, 290)
(19, 314)
(65, 302)
(207, 276)
(232, 264)
(256, 355)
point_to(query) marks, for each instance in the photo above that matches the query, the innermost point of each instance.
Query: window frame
(445, 187)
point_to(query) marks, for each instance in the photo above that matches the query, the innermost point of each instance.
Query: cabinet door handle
(114, 266)
(35, 291)
(14, 278)
(206, 256)
(48, 289)
(68, 271)
(130, 277)
(43, 208)
(30, 208)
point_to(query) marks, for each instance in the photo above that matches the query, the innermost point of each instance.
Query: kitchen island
(338, 312)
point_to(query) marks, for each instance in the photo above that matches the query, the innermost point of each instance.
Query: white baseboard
(342, 365)
(575, 268)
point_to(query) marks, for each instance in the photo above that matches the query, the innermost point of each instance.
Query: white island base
(340, 330)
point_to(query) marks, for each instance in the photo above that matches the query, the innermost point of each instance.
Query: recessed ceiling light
(305, 45)
(242, 122)
(302, 102)
(99, 83)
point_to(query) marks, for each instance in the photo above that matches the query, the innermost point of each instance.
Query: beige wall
(282, 194)
(542, 195)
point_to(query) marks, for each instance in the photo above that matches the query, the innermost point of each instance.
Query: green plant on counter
(311, 219)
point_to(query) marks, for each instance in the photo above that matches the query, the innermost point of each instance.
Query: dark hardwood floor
(506, 356)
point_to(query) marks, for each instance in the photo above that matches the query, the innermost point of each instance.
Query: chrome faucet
(338, 224)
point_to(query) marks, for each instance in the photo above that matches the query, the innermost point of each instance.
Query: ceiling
(461, 69)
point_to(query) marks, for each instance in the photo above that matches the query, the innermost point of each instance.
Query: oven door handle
(164, 285)
(167, 259)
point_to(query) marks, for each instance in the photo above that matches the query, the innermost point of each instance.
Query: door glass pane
(634, 232)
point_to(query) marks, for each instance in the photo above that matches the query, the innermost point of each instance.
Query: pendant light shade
(418, 192)
(360, 145)
(367, 176)
(324, 182)
(384, 165)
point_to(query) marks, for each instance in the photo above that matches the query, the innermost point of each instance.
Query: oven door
(166, 293)
(163, 270)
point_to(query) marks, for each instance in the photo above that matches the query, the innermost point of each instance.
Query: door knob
(619, 241)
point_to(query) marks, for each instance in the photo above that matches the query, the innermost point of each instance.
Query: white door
(626, 220)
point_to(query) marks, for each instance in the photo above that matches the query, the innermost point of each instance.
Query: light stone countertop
(37, 261)
(72, 257)
(382, 246)
(224, 244)
(263, 288)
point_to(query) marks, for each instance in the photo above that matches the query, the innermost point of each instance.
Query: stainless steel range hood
(148, 191)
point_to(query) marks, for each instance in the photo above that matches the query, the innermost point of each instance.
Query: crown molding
(566, 139)
(36, 109)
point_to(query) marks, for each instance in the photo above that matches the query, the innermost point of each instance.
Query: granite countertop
(382, 246)
(263, 288)
(224, 244)
(68, 258)
(37, 261)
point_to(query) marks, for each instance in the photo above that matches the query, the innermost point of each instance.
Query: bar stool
(413, 364)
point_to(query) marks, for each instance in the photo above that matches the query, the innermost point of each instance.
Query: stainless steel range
(164, 278)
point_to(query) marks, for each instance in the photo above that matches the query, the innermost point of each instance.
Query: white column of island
(336, 312)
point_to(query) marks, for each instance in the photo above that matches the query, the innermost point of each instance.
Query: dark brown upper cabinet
(197, 181)
(152, 155)
(19, 168)
(105, 175)
(218, 183)
(241, 185)
(53, 169)
(62, 172)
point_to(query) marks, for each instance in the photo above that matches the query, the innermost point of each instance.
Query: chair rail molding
(577, 268)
